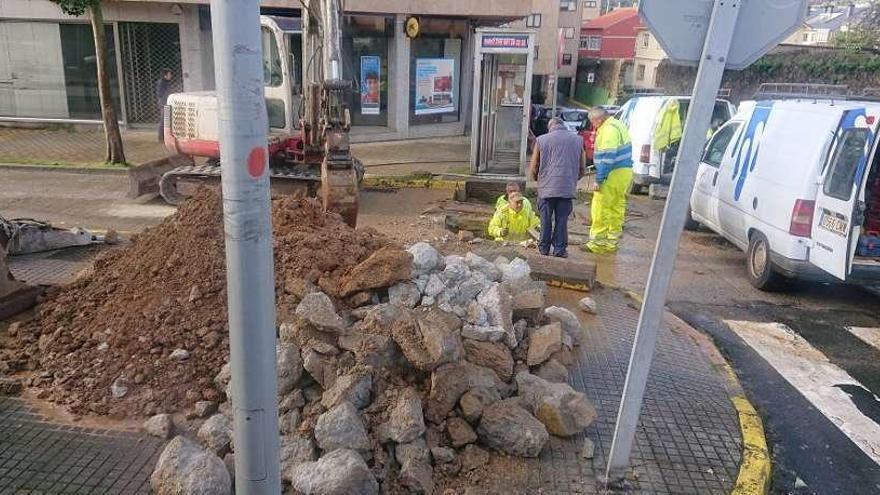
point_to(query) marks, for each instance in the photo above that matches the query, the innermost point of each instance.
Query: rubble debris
(460, 432)
(588, 449)
(588, 305)
(160, 426)
(563, 410)
(416, 472)
(553, 371)
(341, 472)
(507, 427)
(341, 428)
(570, 323)
(10, 385)
(184, 467)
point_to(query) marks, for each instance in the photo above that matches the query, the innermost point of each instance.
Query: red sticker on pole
(256, 162)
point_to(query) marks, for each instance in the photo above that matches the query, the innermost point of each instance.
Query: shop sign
(505, 41)
(435, 85)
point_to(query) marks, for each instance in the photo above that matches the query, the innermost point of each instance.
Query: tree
(864, 34)
(114, 153)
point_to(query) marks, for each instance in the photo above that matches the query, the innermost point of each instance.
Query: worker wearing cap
(513, 219)
(512, 187)
(613, 162)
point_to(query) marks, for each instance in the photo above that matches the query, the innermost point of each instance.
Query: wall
(648, 54)
(461, 8)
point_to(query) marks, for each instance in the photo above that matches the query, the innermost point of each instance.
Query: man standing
(557, 164)
(163, 89)
(613, 160)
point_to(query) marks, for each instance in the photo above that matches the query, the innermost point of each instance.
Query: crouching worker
(513, 219)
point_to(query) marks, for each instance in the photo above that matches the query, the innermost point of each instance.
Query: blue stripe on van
(748, 145)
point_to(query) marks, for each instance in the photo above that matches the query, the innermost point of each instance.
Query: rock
(317, 309)
(479, 264)
(378, 351)
(194, 294)
(289, 367)
(405, 421)
(563, 410)
(416, 473)
(424, 258)
(460, 432)
(299, 287)
(519, 330)
(529, 299)
(473, 457)
(160, 426)
(465, 235)
(341, 428)
(493, 355)
(12, 386)
(288, 422)
(322, 368)
(588, 305)
(570, 323)
(442, 455)
(119, 387)
(341, 472)
(483, 334)
(229, 462)
(440, 336)
(179, 355)
(407, 335)
(456, 270)
(588, 449)
(383, 268)
(404, 294)
(216, 434)
(450, 381)
(515, 271)
(295, 450)
(475, 400)
(428, 301)
(507, 427)
(553, 371)
(354, 389)
(564, 356)
(293, 400)
(435, 286)
(421, 282)
(185, 469)
(224, 376)
(360, 299)
(543, 342)
(498, 303)
(205, 408)
(476, 315)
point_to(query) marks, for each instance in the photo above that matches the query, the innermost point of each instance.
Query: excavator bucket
(15, 296)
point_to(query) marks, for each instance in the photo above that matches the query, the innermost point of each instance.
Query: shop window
(81, 72)
(435, 72)
(365, 62)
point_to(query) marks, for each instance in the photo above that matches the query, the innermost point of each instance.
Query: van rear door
(837, 218)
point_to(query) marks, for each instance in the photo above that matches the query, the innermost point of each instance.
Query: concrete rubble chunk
(378, 351)
(406, 421)
(507, 427)
(216, 434)
(442, 455)
(341, 472)
(205, 408)
(476, 315)
(317, 309)
(484, 266)
(563, 410)
(475, 400)
(460, 432)
(473, 457)
(289, 421)
(354, 388)
(160, 426)
(570, 323)
(484, 334)
(456, 269)
(517, 270)
(435, 286)
(588, 449)
(119, 387)
(293, 400)
(289, 367)
(543, 342)
(440, 335)
(295, 450)
(383, 268)
(416, 472)
(321, 367)
(450, 381)
(404, 294)
(10, 385)
(519, 330)
(186, 469)
(406, 334)
(493, 355)
(179, 355)
(553, 371)
(341, 428)
(425, 258)
(498, 303)
(588, 305)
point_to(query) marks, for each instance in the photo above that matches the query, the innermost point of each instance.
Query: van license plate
(833, 222)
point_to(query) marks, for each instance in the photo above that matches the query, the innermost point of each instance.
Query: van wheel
(758, 265)
(689, 222)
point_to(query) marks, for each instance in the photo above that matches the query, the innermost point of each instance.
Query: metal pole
(250, 281)
(715, 50)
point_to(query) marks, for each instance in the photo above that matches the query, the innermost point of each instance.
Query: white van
(642, 115)
(794, 183)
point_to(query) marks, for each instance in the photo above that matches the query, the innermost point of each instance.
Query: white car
(642, 115)
(575, 120)
(794, 183)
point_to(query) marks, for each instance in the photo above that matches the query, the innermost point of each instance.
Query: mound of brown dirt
(163, 292)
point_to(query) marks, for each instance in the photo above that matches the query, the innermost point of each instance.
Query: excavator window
(272, 73)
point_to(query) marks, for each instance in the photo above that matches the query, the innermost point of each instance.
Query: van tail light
(802, 218)
(645, 156)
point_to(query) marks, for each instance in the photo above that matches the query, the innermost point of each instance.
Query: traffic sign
(681, 26)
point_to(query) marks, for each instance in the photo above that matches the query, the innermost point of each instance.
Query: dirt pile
(146, 330)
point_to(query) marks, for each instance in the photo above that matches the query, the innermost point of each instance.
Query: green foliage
(76, 7)
(858, 39)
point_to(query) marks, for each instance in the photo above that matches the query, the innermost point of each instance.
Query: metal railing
(783, 91)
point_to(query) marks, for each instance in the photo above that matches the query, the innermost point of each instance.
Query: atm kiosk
(502, 101)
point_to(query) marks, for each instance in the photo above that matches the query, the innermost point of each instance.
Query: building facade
(48, 73)
(648, 56)
(607, 48)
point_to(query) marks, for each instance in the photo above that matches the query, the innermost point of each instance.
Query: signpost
(714, 34)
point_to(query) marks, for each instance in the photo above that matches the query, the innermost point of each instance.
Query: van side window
(715, 151)
(847, 156)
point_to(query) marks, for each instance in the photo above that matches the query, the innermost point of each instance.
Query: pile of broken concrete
(461, 360)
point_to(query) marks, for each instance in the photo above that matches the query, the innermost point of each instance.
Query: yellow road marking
(754, 470)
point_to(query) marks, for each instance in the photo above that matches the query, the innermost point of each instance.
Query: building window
(435, 70)
(593, 43)
(566, 59)
(590, 4)
(365, 42)
(806, 36)
(568, 5)
(536, 51)
(640, 72)
(568, 33)
(533, 21)
(646, 40)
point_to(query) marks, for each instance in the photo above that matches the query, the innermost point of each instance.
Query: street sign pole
(250, 280)
(717, 44)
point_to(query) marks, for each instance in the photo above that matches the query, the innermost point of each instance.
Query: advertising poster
(370, 77)
(435, 83)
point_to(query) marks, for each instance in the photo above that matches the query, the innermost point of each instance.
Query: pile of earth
(416, 394)
(146, 330)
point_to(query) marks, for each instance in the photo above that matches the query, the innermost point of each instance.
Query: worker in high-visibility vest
(613, 161)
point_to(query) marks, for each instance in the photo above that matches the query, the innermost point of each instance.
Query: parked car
(643, 115)
(575, 119)
(795, 184)
(542, 119)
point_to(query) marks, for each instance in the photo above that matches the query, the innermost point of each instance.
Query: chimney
(850, 10)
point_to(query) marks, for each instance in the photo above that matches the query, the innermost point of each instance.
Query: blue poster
(435, 85)
(371, 76)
